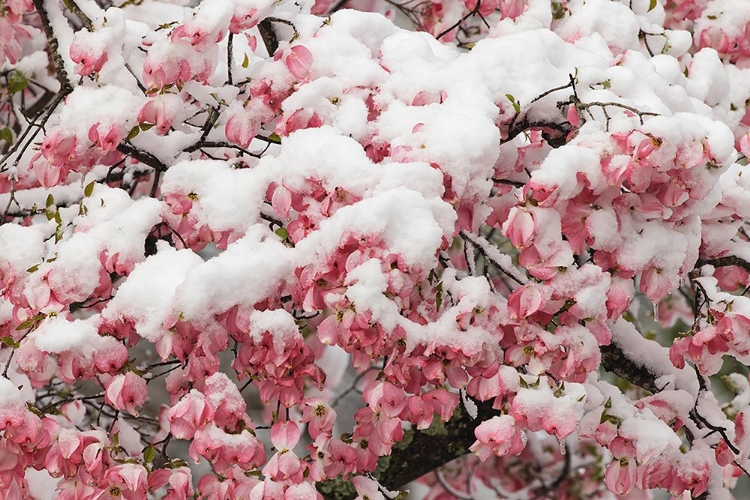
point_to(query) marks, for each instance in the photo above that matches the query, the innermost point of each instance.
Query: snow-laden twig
(492, 254)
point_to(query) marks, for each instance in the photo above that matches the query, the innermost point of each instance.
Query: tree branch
(615, 361)
(75, 9)
(269, 36)
(142, 156)
(420, 452)
(59, 63)
(730, 260)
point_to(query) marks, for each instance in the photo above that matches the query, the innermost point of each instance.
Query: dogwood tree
(498, 245)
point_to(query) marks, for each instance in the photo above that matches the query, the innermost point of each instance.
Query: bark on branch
(615, 361)
(420, 452)
(730, 260)
(54, 48)
(424, 451)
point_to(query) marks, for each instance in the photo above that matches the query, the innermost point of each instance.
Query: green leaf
(146, 126)
(274, 138)
(17, 81)
(50, 201)
(516, 105)
(89, 189)
(149, 454)
(9, 342)
(50, 214)
(282, 233)
(133, 132)
(36, 411)
(176, 463)
(33, 269)
(26, 324)
(652, 5)
(245, 61)
(6, 135)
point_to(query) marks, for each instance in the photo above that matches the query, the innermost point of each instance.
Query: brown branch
(614, 360)
(267, 33)
(76, 10)
(142, 156)
(730, 260)
(420, 452)
(59, 63)
(561, 130)
(473, 11)
(269, 36)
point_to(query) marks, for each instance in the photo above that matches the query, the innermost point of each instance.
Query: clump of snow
(226, 199)
(57, 335)
(231, 278)
(651, 355)
(279, 323)
(391, 214)
(147, 296)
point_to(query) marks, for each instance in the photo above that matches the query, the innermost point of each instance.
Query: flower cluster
(292, 247)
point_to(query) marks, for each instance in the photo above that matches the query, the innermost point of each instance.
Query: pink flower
(281, 201)
(241, 127)
(107, 137)
(88, 56)
(126, 392)
(498, 436)
(656, 283)
(384, 397)
(226, 399)
(13, 407)
(520, 227)
(178, 479)
(620, 475)
(224, 450)
(298, 61)
(319, 417)
(244, 18)
(619, 295)
(285, 435)
(191, 413)
(128, 479)
(367, 488)
(573, 117)
(526, 300)
(58, 148)
(155, 112)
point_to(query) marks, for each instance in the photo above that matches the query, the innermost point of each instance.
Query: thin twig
(493, 255)
(473, 11)
(54, 48)
(230, 57)
(75, 9)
